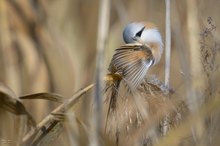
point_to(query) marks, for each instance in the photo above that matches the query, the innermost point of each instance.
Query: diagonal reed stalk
(50, 118)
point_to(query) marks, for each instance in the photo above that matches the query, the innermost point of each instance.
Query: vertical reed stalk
(103, 27)
(168, 44)
(165, 123)
(195, 64)
(197, 83)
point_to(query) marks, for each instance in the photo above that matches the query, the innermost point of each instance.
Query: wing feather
(132, 61)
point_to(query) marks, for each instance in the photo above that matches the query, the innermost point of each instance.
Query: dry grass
(48, 52)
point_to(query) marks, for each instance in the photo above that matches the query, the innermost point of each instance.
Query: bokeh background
(50, 45)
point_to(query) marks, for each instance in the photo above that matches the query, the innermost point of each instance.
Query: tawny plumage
(131, 61)
(143, 49)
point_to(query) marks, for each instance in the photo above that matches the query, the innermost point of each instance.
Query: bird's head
(146, 33)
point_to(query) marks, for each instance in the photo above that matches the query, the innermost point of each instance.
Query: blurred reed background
(50, 46)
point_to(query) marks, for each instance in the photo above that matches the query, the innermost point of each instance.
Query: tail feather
(113, 99)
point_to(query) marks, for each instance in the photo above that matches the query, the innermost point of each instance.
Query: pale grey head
(132, 31)
(147, 33)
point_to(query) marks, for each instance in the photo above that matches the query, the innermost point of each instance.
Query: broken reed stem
(60, 109)
(103, 26)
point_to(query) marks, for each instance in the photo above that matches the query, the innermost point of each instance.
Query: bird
(143, 49)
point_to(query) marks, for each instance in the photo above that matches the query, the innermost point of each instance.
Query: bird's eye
(138, 34)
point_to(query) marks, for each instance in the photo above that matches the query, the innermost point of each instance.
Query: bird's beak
(134, 38)
(137, 39)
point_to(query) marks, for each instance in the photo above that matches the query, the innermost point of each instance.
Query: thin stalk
(50, 118)
(103, 27)
(168, 44)
(166, 125)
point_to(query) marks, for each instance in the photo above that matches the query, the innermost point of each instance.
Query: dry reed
(48, 49)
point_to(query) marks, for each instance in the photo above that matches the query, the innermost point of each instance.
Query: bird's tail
(113, 85)
(114, 94)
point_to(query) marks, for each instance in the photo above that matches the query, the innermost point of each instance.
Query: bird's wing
(133, 61)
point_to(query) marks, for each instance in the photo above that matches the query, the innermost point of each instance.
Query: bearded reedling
(131, 61)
